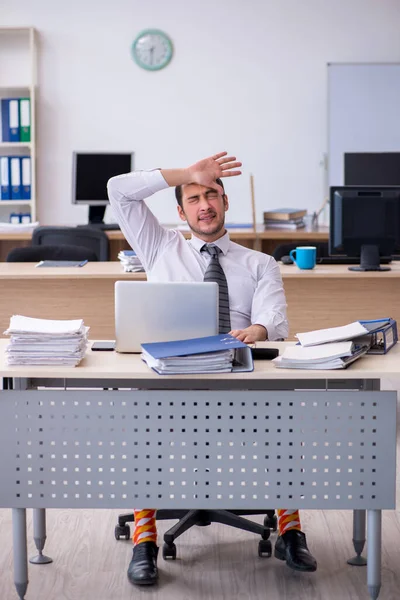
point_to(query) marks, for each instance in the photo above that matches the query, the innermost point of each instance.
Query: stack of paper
(325, 348)
(130, 261)
(214, 354)
(45, 342)
(17, 227)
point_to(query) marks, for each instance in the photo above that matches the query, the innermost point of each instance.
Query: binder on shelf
(14, 218)
(15, 177)
(10, 119)
(20, 218)
(5, 193)
(26, 177)
(25, 119)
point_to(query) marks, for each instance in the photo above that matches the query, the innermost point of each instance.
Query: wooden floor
(214, 563)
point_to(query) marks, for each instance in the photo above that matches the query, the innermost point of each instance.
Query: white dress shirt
(256, 294)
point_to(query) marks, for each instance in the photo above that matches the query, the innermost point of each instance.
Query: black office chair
(189, 518)
(45, 252)
(284, 249)
(93, 239)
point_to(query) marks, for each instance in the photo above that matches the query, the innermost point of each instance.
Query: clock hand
(151, 54)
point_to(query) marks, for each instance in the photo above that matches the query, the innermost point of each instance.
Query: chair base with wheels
(202, 518)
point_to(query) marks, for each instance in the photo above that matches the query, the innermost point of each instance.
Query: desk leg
(39, 535)
(20, 551)
(358, 538)
(374, 552)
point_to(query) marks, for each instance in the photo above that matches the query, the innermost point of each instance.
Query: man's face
(203, 209)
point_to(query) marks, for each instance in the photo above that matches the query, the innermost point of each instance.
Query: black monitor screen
(91, 173)
(372, 168)
(361, 216)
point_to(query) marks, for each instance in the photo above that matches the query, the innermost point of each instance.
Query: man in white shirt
(252, 299)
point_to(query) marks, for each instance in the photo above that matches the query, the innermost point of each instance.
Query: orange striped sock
(145, 526)
(287, 520)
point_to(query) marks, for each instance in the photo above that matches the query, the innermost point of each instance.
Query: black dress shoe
(142, 569)
(292, 547)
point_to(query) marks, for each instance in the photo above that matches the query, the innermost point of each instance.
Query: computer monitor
(372, 168)
(365, 223)
(90, 173)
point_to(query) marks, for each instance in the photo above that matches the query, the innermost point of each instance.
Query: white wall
(248, 77)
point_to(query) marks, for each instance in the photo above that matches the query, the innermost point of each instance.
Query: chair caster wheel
(169, 551)
(271, 523)
(122, 532)
(264, 549)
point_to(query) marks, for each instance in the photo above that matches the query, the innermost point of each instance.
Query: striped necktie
(216, 273)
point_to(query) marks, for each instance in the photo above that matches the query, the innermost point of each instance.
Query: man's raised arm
(138, 224)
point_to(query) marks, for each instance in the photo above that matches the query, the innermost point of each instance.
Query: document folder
(25, 119)
(5, 191)
(26, 177)
(15, 172)
(10, 119)
(210, 354)
(382, 335)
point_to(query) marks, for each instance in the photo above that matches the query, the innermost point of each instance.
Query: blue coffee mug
(304, 257)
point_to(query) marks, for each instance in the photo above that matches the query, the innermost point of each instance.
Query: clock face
(152, 49)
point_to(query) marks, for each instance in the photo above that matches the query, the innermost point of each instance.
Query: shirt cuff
(277, 327)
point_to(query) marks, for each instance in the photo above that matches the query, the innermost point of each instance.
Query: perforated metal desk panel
(227, 449)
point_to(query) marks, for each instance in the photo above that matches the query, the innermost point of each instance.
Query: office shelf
(21, 81)
(15, 145)
(15, 202)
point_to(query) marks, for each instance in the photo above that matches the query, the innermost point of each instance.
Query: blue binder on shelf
(10, 119)
(15, 177)
(5, 192)
(26, 177)
(382, 335)
(198, 355)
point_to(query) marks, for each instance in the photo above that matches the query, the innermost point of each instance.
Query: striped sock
(145, 526)
(287, 520)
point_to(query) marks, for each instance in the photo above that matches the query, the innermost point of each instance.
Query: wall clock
(152, 49)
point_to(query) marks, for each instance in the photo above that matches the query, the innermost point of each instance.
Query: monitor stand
(369, 259)
(96, 216)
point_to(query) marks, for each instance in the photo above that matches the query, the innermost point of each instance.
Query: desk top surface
(109, 365)
(114, 270)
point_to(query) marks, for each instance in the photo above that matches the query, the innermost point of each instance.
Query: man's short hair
(178, 191)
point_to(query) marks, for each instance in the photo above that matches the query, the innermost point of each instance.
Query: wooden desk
(261, 239)
(63, 293)
(77, 448)
(324, 297)
(111, 365)
(329, 296)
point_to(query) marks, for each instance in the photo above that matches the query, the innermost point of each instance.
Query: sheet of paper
(20, 324)
(334, 334)
(318, 353)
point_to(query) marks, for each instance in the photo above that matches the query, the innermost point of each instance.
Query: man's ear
(226, 202)
(181, 213)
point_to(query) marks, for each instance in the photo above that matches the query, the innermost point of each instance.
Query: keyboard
(346, 260)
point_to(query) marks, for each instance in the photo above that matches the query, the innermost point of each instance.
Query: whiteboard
(363, 112)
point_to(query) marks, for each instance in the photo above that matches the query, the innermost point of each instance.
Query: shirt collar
(222, 243)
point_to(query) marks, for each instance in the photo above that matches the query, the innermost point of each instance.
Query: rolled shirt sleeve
(138, 224)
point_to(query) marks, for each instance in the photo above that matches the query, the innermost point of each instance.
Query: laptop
(163, 312)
